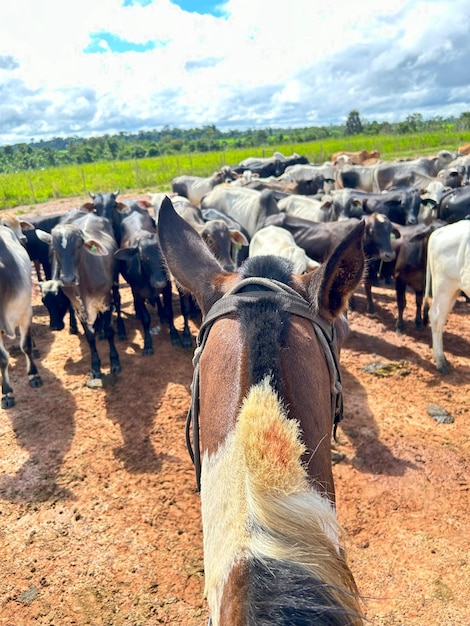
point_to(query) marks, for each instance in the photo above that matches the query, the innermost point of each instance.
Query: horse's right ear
(335, 281)
(188, 258)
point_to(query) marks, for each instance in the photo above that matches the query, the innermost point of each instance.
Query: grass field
(155, 174)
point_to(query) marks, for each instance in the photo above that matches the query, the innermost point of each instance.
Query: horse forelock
(273, 267)
(258, 506)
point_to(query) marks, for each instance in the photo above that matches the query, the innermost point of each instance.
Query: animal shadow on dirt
(42, 420)
(134, 400)
(371, 455)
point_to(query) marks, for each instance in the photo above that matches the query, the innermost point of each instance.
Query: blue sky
(106, 66)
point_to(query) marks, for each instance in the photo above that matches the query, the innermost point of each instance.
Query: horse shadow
(371, 455)
(42, 420)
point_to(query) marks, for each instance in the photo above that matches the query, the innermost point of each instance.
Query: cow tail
(427, 292)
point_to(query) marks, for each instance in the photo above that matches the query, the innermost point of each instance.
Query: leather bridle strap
(292, 303)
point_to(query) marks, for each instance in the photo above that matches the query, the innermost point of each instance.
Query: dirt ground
(99, 514)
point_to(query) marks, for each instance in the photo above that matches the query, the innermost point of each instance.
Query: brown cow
(464, 150)
(358, 158)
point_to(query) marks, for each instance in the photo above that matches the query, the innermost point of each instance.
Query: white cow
(248, 207)
(280, 242)
(318, 209)
(448, 273)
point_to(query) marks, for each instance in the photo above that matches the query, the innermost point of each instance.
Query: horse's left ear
(189, 260)
(335, 281)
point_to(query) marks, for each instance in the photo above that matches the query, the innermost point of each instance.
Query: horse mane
(297, 571)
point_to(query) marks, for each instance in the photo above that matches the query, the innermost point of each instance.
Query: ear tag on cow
(94, 248)
(238, 245)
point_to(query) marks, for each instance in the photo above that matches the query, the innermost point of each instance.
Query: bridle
(293, 304)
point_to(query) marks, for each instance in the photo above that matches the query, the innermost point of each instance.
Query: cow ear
(189, 260)
(126, 254)
(122, 208)
(25, 225)
(95, 247)
(88, 207)
(334, 282)
(239, 238)
(43, 235)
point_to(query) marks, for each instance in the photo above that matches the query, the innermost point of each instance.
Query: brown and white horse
(267, 390)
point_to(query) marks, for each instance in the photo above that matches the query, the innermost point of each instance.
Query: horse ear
(189, 260)
(335, 281)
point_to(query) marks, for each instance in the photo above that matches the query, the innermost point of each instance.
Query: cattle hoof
(115, 368)
(442, 369)
(122, 337)
(73, 331)
(8, 401)
(187, 343)
(35, 381)
(147, 351)
(94, 383)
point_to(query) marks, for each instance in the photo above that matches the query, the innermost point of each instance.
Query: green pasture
(155, 174)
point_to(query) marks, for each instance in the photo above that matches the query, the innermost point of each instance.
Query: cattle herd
(417, 234)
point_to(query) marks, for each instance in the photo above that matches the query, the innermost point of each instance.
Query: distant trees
(151, 143)
(353, 124)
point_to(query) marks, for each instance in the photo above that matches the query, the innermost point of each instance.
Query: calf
(409, 268)
(141, 265)
(448, 274)
(83, 250)
(275, 240)
(15, 307)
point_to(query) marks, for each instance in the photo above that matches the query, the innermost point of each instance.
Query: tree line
(151, 143)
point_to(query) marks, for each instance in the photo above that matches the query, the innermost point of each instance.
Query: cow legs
(115, 364)
(103, 323)
(368, 291)
(26, 345)
(438, 313)
(8, 399)
(419, 307)
(186, 311)
(169, 316)
(144, 316)
(95, 372)
(121, 329)
(400, 290)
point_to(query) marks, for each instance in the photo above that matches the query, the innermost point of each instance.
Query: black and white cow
(194, 187)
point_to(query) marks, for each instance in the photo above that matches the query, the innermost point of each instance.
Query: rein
(294, 304)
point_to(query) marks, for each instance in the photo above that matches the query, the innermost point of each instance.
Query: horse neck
(265, 417)
(260, 515)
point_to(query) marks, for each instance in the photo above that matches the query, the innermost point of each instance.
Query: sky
(99, 67)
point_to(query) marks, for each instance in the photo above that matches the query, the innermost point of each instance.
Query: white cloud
(255, 64)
